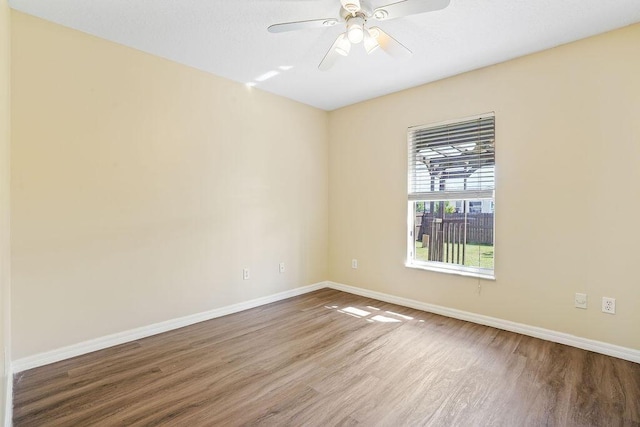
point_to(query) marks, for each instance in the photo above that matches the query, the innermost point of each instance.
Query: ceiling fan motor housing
(351, 7)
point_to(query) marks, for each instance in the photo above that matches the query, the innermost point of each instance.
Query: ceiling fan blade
(408, 7)
(390, 45)
(333, 54)
(302, 25)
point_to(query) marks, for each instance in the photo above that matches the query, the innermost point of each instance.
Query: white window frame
(486, 192)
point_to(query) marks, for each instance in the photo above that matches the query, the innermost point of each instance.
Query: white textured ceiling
(229, 38)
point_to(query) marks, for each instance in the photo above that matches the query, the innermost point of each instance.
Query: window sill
(467, 273)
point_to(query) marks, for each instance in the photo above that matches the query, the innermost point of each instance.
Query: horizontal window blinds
(452, 161)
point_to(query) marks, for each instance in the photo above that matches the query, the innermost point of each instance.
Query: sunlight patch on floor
(360, 313)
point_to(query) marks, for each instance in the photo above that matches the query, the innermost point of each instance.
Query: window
(451, 196)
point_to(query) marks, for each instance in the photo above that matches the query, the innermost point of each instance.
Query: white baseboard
(85, 347)
(145, 331)
(520, 328)
(8, 402)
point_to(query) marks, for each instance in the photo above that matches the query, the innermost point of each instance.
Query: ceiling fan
(355, 14)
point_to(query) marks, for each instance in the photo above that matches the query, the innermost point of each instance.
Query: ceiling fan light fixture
(343, 46)
(370, 42)
(355, 29)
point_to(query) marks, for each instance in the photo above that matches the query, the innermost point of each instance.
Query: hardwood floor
(331, 358)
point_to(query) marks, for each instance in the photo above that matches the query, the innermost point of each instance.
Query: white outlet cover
(608, 305)
(580, 300)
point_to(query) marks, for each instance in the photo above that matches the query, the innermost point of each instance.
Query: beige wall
(568, 168)
(141, 188)
(5, 251)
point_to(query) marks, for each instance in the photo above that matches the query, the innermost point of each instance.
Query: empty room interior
(326, 212)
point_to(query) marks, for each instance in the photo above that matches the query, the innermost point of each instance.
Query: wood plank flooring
(331, 358)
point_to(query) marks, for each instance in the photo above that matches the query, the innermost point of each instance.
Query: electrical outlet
(281, 267)
(245, 274)
(608, 305)
(354, 263)
(580, 300)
